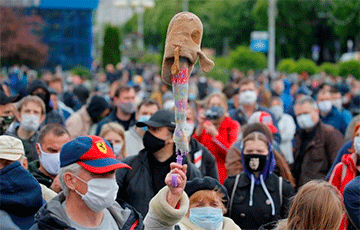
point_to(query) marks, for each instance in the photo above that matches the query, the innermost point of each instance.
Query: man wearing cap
(80, 122)
(87, 177)
(30, 114)
(6, 111)
(20, 193)
(151, 165)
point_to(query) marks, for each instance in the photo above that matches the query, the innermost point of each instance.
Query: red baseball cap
(263, 118)
(91, 152)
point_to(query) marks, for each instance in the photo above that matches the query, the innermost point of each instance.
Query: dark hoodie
(51, 115)
(20, 195)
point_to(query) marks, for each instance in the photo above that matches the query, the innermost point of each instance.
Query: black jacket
(252, 217)
(207, 163)
(136, 185)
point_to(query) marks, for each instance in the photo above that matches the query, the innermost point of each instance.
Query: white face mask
(248, 97)
(277, 110)
(325, 106)
(304, 121)
(357, 145)
(30, 122)
(50, 161)
(189, 129)
(337, 103)
(101, 193)
(117, 148)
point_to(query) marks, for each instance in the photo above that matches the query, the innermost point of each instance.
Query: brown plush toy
(183, 39)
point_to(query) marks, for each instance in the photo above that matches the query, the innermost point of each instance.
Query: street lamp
(140, 5)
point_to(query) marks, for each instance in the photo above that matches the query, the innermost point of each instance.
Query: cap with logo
(11, 148)
(162, 118)
(91, 152)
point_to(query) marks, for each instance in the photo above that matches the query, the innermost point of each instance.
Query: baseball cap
(91, 152)
(11, 148)
(263, 118)
(5, 99)
(162, 118)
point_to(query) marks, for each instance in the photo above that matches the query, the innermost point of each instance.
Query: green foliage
(244, 59)
(329, 68)
(150, 58)
(350, 67)
(305, 65)
(286, 65)
(111, 47)
(81, 71)
(220, 72)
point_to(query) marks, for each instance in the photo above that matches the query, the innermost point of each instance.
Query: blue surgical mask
(207, 217)
(144, 118)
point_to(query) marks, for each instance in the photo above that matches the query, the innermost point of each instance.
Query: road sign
(259, 41)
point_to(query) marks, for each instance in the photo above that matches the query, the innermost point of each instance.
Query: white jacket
(287, 129)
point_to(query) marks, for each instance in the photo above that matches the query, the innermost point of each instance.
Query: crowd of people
(266, 152)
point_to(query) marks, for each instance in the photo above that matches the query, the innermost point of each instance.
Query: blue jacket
(20, 195)
(335, 119)
(352, 201)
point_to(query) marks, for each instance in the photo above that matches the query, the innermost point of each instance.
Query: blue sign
(64, 4)
(259, 41)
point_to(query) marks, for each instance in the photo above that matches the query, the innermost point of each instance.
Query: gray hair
(73, 168)
(306, 99)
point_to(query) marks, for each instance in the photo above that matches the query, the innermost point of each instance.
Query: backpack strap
(233, 192)
(280, 190)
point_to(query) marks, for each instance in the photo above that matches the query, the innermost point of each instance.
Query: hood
(19, 191)
(40, 84)
(287, 86)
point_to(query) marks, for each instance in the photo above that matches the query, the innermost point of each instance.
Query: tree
(111, 47)
(21, 39)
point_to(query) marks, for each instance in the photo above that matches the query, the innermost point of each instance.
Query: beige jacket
(79, 123)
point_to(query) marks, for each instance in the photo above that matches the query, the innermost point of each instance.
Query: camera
(211, 115)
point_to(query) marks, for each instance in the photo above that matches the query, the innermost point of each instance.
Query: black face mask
(255, 162)
(5, 122)
(151, 143)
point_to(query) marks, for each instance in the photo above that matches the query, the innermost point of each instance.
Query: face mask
(50, 161)
(206, 217)
(189, 129)
(305, 121)
(277, 110)
(337, 104)
(144, 118)
(248, 97)
(30, 122)
(101, 193)
(117, 148)
(357, 145)
(127, 108)
(151, 143)
(5, 122)
(325, 106)
(255, 162)
(214, 112)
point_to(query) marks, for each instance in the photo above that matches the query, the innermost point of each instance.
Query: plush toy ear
(196, 36)
(205, 63)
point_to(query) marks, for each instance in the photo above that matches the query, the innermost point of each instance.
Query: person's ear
(17, 115)
(38, 149)
(69, 180)
(42, 118)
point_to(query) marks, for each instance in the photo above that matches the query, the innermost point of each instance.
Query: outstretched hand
(175, 193)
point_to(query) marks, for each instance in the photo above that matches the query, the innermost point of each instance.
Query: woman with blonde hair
(317, 205)
(114, 133)
(216, 130)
